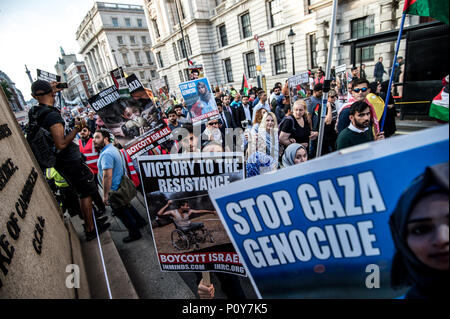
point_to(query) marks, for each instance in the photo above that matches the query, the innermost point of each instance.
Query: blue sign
(199, 100)
(317, 226)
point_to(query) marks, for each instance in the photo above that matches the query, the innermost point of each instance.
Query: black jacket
(240, 115)
(229, 121)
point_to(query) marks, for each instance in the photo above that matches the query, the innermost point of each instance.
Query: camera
(62, 85)
(244, 124)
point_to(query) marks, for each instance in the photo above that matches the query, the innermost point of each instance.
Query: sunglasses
(362, 90)
(214, 123)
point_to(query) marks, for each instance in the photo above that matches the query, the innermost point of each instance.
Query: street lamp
(291, 37)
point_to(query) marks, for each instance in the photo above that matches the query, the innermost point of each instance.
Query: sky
(32, 31)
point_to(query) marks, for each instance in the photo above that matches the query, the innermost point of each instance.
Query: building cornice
(106, 29)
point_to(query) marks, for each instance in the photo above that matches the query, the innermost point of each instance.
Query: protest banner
(50, 77)
(118, 77)
(317, 226)
(190, 235)
(160, 88)
(47, 76)
(157, 133)
(298, 86)
(196, 72)
(341, 81)
(199, 100)
(135, 126)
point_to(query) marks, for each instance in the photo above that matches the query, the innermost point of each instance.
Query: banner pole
(206, 278)
(327, 78)
(388, 94)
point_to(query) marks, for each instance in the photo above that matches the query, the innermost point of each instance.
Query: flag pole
(388, 94)
(327, 78)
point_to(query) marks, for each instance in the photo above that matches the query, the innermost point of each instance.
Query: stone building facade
(16, 101)
(78, 82)
(219, 34)
(113, 35)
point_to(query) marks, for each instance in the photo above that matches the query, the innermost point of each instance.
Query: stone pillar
(322, 44)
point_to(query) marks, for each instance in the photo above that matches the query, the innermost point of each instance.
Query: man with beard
(359, 91)
(244, 113)
(173, 120)
(358, 132)
(180, 116)
(86, 146)
(110, 172)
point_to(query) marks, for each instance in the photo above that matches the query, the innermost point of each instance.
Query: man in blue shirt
(110, 173)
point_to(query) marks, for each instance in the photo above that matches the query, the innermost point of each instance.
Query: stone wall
(35, 247)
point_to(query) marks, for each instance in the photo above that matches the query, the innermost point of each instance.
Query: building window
(275, 12)
(365, 54)
(138, 57)
(128, 22)
(160, 60)
(120, 39)
(228, 70)
(155, 27)
(251, 64)
(360, 28)
(144, 39)
(279, 55)
(153, 74)
(125, 59)
(188, 45)
(223, 35)
(312, 50)
(142, 75)
(182, 48)
(175, 51)
(245, 25)
(180, 74)
(149, 57)
(186, 74)
(166, 81)
(139, 23)
(115, 22)
(132, 39)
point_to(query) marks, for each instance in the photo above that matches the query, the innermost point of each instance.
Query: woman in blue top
(419, 227)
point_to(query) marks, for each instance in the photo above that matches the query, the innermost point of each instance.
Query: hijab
(289, 154)
(407, 269)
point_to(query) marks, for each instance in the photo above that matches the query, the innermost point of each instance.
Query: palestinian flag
(439, 106)
(244, 86)
(436, 9)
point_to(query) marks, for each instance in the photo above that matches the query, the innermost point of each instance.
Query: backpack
(40, 140)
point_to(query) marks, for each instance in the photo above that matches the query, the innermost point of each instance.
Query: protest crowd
(96, 147)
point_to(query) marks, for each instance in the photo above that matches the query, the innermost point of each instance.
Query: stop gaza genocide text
(289, 245)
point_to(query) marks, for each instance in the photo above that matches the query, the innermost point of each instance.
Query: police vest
(129, 167)
(90, 153)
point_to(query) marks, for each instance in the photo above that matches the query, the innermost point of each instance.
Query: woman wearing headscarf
(419, 227)
(294, 154)
(263, 148)
(207, 100)
(267, 137)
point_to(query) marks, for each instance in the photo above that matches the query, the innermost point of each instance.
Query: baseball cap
(41, 85)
